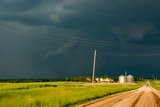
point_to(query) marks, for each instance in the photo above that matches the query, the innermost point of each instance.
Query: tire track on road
(114, 96)
(136, 101)
(157, 99)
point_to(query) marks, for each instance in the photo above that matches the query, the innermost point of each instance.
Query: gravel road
(145, 96)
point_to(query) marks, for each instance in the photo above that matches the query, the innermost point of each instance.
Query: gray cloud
(133, 32)
(19, 5)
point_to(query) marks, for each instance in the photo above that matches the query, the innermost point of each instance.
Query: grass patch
(155, 84)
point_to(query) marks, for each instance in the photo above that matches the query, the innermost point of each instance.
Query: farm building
(126, 79)
(108, 80)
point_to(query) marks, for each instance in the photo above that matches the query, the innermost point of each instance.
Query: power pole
(94, 65)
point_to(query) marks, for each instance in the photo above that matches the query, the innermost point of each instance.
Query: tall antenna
(94, 65)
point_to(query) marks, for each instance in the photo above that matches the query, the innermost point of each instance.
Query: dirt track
(145, 96)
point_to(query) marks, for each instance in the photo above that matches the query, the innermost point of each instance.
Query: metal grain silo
(130, 79)
(122, 79)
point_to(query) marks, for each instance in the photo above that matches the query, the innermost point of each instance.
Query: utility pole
(94, 65)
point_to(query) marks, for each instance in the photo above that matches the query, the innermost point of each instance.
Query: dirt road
(145, 96)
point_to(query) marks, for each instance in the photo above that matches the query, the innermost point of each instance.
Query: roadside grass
(56, 94)
(155, 84)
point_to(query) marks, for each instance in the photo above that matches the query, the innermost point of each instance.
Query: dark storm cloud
(55, 38)
(126, 19)
(19, 5)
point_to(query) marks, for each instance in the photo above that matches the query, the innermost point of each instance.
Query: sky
(56, 38)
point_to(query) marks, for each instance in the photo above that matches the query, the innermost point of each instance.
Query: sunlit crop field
(56, 94)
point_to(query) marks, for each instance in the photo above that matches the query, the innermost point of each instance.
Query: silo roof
(121, 76)
(130, 75)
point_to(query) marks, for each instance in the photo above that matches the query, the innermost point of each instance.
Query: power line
(98, 43)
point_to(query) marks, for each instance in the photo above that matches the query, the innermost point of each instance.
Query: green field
(56, 94)
(155, 84)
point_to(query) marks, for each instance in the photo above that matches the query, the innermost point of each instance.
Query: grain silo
(122, 79)
(130, 79)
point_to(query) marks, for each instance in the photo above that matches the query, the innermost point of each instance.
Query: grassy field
(155, 84)
(55, 94)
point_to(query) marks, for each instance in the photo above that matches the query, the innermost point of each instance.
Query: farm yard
(55, 94)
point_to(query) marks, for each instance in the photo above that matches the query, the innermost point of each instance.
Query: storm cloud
(56, 38)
